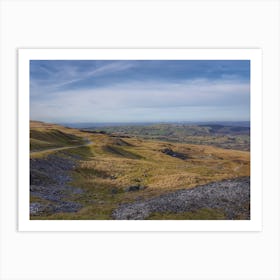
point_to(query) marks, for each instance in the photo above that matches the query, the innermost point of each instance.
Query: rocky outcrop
(172, 153)
(135, 188)
(49, 181)
(229, 196)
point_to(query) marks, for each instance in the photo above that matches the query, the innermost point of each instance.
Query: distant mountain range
(110, 124)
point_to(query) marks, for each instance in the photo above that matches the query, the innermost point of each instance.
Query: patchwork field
(235, 136)
(85, 174)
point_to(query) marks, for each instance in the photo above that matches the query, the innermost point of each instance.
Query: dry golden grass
(161, 171)
(47, 127)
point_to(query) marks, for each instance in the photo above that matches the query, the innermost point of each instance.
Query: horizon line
(129, 122)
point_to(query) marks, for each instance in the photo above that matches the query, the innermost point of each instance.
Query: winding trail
(88, 143)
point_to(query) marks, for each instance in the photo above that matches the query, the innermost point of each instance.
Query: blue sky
(139, 90)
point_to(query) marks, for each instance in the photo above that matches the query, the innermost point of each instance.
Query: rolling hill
(78, 174)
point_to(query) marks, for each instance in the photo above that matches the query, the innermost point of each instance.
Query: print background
(85, 24)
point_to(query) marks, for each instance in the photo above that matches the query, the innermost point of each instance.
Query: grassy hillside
(107, 169)
(45, 136)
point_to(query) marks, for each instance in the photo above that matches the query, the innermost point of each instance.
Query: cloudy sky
(139, 91)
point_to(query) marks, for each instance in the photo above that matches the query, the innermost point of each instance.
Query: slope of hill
(92, 181)
(44, 136)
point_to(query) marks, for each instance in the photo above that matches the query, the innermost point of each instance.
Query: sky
(97, 91)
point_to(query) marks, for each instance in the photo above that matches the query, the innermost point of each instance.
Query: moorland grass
(109, 165)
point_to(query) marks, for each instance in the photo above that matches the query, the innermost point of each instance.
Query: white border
(254, 55)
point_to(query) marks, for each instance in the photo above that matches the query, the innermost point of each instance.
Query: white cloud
(125, 101)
